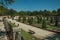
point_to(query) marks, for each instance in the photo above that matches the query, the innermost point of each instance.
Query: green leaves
(6, 2)
(58, 11)
(12, 12)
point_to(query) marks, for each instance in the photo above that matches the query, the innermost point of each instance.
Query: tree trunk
(56, 21)
(44, 23)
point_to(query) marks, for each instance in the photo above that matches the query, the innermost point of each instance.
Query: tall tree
(58, 11)
(56, 17)
(22, 13)
(39, 19)
(3, 11)
(4, 3)
(29, 20)
(35, 13)
(12, 13)
(44, 23)
(24, 19)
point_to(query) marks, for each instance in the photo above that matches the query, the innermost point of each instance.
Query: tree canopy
(6, 2)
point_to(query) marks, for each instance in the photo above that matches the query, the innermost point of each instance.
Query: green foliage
(51, 19)
(6, 2)
(23, 13)
(39, 19)
(30, 20)
(3, 11)
(19, 19)
(53, 27)
(58, 11)
(54, 12)
(12, 12)
(3, 4)
(56, 20)
(24, 19)
(34, 13)
(22, 38)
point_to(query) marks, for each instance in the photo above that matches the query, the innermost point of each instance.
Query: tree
(56, 17)
(34, 13)
(29, 20)
(3, 4)
(56, 20)
(51, 19)
(3, 11)
(39, 19)
(52, 14)
(44, 23)
(32, 19)
(28, 13)
(24, 19)
(22, 13)
(19, 19)
(6, 2)
(58, 12)
(12, 13)
(22, 38)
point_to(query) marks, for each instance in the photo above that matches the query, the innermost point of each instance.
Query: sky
(33, 5)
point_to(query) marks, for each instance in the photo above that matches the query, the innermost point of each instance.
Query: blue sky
(33, 5)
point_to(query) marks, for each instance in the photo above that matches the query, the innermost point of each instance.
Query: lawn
(53, 27)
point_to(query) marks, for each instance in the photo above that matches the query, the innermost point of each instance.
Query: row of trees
(43, 13)
(42, 16)
(53, 15)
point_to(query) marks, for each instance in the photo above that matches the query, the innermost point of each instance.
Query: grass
(53, 27)
(27, 36)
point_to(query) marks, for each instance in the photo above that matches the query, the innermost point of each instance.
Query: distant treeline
(12, 12)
